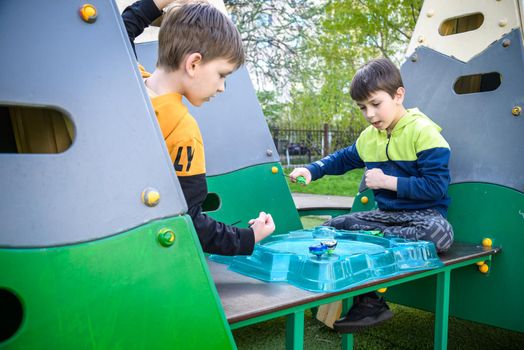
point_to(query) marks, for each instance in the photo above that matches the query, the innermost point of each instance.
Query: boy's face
(207, 80)
(381, 110)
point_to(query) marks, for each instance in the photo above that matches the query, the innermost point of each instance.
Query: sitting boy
(407, 168)
(198, 47)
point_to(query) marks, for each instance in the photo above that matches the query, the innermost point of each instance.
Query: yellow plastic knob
(487, 242)
(484, 268)
(274, 170)
(88, 13)
(364, 200)
(150, 197)
(480, 263)
(382, 290)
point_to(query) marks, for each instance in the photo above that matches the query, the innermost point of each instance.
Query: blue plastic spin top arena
(299, 258)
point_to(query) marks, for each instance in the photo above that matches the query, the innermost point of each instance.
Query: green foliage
(351, 33)
(273, 33)
(273, 109)
(303, 54)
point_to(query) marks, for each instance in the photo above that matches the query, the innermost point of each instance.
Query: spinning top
(318, 250)
(330, 245)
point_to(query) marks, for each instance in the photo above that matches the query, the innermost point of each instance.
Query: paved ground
(305, 200)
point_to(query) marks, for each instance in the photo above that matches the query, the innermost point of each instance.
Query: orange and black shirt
(186, 149)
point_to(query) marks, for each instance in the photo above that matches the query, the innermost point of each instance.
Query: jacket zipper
(389, 159)
(387, 145)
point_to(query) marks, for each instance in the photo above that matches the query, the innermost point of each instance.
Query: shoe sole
(344, 328)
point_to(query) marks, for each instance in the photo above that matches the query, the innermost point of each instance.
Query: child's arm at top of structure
(142, 13)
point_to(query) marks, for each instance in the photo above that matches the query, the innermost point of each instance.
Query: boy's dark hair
(198, 27)
(377, 74)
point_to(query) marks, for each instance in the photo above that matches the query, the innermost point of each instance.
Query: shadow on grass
(409, 329)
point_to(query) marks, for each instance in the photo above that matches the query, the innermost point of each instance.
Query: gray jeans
(425, 224)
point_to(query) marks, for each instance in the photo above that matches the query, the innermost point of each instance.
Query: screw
(166, 237)
(150, 197)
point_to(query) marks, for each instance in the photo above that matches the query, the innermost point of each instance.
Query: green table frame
(247, 301)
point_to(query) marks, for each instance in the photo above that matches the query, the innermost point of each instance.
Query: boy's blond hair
(197, 26)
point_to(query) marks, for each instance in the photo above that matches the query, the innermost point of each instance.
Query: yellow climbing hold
(484, 268)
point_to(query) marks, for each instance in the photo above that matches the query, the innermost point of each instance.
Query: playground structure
(90, 258)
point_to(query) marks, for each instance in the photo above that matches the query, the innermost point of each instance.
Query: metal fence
(298, 147)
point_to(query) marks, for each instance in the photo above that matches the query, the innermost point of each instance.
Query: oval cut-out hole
(470, 84)
(461, 24)
(25, 129)
(211, 203)
(11, 314)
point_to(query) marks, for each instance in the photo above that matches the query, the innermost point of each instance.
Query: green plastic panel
(364, 201)
(478, 211)
(246, 192)
(122, 292)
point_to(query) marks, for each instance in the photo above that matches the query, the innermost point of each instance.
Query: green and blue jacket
(415, 152)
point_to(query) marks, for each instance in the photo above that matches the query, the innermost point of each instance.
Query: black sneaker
(366, 312)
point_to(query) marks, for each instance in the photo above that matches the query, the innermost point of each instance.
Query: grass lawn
(342, 185)
(409, 329)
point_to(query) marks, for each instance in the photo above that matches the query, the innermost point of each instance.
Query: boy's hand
(376, 179)
(300, 172)
(262, 226)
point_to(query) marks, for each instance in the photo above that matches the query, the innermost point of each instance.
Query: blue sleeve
(139, 16)
(434, 176)
(336, 163)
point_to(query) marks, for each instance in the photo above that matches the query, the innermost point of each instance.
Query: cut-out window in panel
(211, 203)
(25, 129)
(12, 314)
(470, 84)
(461, 24)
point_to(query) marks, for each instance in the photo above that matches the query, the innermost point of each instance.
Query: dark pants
(425, 224)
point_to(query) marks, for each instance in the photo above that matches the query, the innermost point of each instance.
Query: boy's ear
(192, 62)
(399, 95)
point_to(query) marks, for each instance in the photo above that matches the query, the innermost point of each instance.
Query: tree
(308, 51)
(351, 33)
(273, 32)
(273, 109)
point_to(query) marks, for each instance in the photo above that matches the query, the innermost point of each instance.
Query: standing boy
(198, 47)
(407, 167)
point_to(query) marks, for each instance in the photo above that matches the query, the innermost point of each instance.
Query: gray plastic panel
(50, 57)
(485, 138)
(234, 129)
